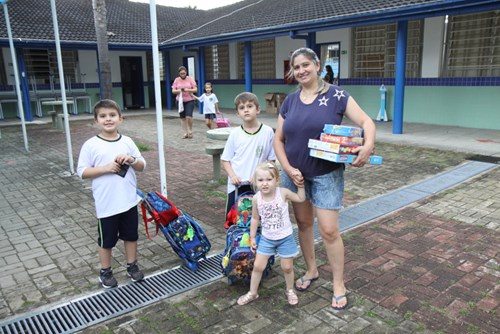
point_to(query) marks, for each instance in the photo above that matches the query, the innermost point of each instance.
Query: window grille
(263, 59)
(217, 62)
(42, 63)
(473, 45)
(150, 67)
(375, 50)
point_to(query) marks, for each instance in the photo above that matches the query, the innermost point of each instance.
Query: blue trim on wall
(490, 81)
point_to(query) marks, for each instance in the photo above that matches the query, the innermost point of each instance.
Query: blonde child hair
(267, 166)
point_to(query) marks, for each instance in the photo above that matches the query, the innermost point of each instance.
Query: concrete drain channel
(92, 309)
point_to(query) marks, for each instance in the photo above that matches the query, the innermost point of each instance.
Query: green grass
(408, 315)
(215, 193)
(143, 147)
(472, 329)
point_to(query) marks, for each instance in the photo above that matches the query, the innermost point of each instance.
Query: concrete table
(57, 114)
(219, 133)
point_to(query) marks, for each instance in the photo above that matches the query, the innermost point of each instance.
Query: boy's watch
(134, 162)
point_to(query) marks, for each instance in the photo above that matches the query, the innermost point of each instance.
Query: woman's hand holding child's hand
(296, 176)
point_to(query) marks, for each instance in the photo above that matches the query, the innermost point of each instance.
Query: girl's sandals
(190, 135)
(185, 136)
(247, 298)
(291, 297)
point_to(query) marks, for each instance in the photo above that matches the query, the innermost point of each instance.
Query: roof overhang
(451, 7)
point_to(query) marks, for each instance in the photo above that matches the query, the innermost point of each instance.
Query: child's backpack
(182, 232)
(187, 239)
(238, 259)
(241, 212)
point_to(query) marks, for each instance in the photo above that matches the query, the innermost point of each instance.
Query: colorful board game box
(330, 147)
(342, 140)
(342, 158)
(343, 130)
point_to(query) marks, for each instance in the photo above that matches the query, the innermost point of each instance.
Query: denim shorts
(188, 109)
(286, 247)
(324, 191)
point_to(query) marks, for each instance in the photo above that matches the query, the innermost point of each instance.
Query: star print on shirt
(323, 101)
(339, 94)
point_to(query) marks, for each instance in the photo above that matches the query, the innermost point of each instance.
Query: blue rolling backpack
(182, 232)
(238, 257)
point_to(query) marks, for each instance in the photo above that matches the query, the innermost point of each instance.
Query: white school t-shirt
(112, 193)
(245, 151)
(209, 102)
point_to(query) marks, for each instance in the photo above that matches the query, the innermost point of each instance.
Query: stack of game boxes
(336, 144)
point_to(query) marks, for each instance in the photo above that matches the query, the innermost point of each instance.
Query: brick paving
(431, 267)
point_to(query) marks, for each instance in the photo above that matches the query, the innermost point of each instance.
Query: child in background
(270, 208)
(210, 105)
(110, 160)
(247, 146)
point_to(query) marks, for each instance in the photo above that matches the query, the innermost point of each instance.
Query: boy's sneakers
(106, 278)
(134, 272)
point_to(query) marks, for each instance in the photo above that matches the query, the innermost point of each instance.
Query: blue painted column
(201, 75)
(28, 115)
(311, 43)
(248, 66)
(168, 88)
(399, 89)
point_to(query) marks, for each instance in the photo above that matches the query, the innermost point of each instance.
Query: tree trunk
(101, 27)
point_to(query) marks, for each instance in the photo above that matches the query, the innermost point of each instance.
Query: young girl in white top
(270, 208)
(210, 105)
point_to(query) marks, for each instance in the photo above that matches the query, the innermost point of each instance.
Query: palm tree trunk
(100, 21)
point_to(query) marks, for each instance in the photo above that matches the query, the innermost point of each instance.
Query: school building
(439, 61)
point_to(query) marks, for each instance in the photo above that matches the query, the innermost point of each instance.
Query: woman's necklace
(308, 97)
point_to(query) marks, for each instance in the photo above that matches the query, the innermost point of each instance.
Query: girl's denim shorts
(323, 191)
(285, 248)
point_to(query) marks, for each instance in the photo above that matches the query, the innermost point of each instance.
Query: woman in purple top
(302, 116)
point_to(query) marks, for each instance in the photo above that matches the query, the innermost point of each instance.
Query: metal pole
(16, 77)
(63, 88)
(159, 115)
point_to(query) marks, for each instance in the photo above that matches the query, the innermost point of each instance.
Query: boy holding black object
(110, 160)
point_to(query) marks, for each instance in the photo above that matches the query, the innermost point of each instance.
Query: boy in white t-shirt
(247, 146)
(110, 160)
(210, 105)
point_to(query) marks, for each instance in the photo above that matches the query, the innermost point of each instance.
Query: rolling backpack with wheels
(238, 259)
(181, 230)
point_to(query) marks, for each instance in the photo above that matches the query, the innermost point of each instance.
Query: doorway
(330, 55)
(132, 82)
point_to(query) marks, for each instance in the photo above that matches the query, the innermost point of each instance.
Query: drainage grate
(89, 310)
(376, 207)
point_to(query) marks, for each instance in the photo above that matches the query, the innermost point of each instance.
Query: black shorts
(122, 226)
(188, 109)
(209, 116)
(231, 196)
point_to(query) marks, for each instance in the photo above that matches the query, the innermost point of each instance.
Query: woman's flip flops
(304, 280)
